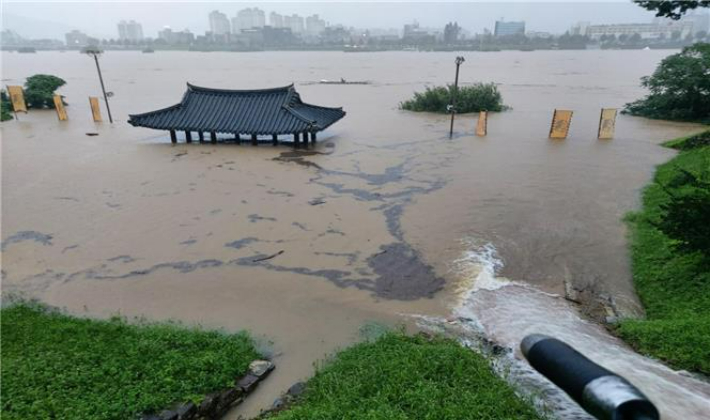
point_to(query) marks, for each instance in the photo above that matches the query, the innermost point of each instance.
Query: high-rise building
(661, 29)
(276, 20)
(314, 25)
(248, 18)
(294, 22)
(130, 31)
(184, 37)
(451, 33)
(509, 28)
(413, 33)
(219, 24)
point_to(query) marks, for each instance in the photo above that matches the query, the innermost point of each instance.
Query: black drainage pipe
(601, 392)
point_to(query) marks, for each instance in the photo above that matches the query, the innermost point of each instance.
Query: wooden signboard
(59, 106)
(607, 123)
(95, 110)
(17, 97)
(482, 125)
(561, 120)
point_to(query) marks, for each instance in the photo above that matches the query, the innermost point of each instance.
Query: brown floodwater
(368, 226)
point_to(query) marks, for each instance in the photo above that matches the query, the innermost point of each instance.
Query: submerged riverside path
(365, 227)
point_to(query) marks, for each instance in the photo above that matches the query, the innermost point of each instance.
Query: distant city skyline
(54, 19)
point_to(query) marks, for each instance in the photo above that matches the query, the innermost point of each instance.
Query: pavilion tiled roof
(259, 112)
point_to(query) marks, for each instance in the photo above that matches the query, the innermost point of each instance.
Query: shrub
(686, 214)
(5, 107)
(474, 98)
(670, 267)
(679, 88)
(39, 90)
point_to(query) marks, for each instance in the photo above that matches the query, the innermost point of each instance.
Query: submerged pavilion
(263, 112)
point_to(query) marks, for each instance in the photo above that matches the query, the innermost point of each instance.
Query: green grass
(400, 377)
(61, 367)
(673, 284)
(473, 98)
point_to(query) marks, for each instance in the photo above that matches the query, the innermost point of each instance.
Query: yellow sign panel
(59, 106)
(17, 97)
(607, 123)
(482, 125)
(561, 120)
(95, 111)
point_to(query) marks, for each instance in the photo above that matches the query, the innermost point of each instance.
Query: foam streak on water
(504, 312)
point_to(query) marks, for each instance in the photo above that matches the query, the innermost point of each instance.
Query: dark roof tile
(263, 111)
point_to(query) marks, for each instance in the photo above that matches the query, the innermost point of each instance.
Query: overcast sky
(99, 18)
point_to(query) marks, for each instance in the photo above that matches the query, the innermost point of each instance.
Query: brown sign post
(561, 121)
(17, 98)
(95, 110)
(482, 125)
(59, 106)
(607, 123)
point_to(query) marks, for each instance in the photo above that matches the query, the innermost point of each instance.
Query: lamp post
(452, 107)
(95, 52)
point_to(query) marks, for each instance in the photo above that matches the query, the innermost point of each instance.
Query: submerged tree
(39, 90)
(473, 98)
(679, 88)
(4, 106)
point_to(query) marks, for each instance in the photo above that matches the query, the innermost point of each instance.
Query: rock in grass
(260, 368)
(296, 389)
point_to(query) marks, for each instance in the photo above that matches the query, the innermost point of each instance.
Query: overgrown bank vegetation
(399, 377)
(62, 367)
(5, 106)
(679, 89)
(670, 243)
(473, 98)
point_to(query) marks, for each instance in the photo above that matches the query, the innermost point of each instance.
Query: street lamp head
(459, 60)
(92, 50)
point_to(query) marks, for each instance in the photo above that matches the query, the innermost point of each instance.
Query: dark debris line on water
(399, 272)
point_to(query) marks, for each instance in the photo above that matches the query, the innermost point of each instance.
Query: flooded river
(374, 224)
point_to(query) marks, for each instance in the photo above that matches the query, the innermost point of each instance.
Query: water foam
(502, 311)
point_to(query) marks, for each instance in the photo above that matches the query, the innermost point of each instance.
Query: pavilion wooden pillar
(173, 136)
(188, 136)
(313, 137)
(202, 136)
(275, 139)
(254, 140)
(238, 138)
(213, 137)
(295, 140)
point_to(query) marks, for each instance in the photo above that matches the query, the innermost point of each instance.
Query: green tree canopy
(39, 90)
(679, 88)
(671, 8)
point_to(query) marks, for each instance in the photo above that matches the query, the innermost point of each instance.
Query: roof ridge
(194, 88)
(339, 108)
(298, 115)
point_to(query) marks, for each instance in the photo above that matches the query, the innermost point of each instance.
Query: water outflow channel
(495, 314)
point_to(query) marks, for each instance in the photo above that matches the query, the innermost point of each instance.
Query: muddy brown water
(366, 229)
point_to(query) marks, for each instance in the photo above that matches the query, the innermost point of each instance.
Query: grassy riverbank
(57, 366)
(402, 377)
(672, 281)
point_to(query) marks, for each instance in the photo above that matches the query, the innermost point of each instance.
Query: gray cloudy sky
(99, 18)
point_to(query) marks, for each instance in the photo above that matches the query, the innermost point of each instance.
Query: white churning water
(505, 311)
